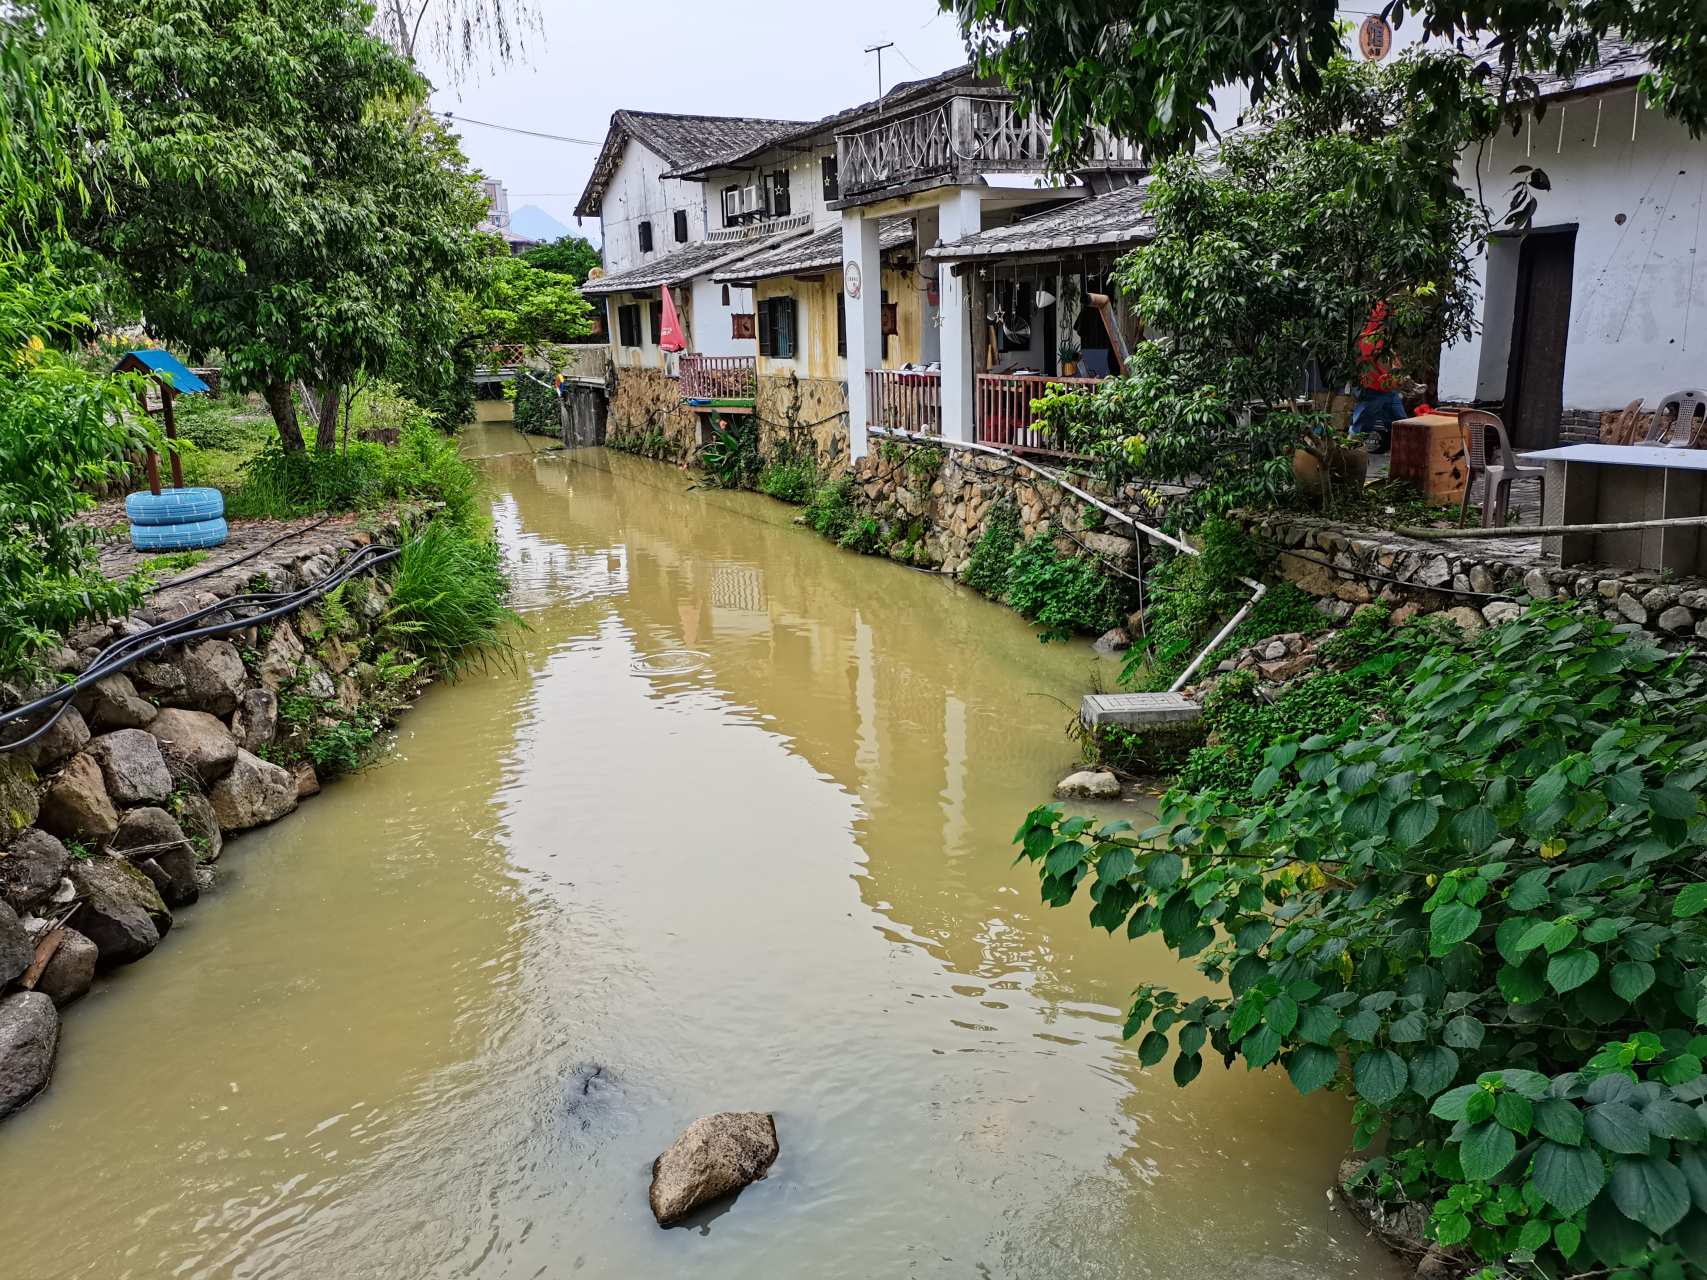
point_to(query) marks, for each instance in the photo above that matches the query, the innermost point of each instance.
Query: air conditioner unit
(752, 200)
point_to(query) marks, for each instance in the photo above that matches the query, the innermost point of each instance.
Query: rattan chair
(1497, 478)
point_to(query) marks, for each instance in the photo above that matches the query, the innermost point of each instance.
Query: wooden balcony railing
(904, 400)
(719, 378)
(1004, 409)
(964, 136)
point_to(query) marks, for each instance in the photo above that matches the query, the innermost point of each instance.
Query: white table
(1608, 484)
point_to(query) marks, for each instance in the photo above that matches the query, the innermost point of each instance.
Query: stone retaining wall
(118, 815)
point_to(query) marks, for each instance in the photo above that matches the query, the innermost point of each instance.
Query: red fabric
(670, 332)
(1372, 373)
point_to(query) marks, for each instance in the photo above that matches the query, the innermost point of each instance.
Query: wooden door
(1541, 321)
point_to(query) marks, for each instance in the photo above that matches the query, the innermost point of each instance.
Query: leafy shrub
(831, 510)
(987, 567)
(536, 406)
(278, 483)
(732, 457)
(447, 596)
(338, 748)
(790, 477)
(1473, 920)
(1064, 594)
(862, 535)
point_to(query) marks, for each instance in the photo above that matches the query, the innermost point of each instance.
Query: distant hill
(536, 224)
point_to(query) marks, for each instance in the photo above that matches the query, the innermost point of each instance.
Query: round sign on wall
(850, 276)
(1375, 38)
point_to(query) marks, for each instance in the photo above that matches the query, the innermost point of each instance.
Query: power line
(487, 124)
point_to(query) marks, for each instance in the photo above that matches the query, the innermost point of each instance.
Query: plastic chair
(1498, 477)
(1683, 421)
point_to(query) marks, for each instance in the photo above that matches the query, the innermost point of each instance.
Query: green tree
(1149, 70)
(1268, 261)
(521, 305)
(572, 256)
(287, 205)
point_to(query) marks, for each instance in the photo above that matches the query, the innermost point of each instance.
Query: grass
(173, 562)
(447, 596)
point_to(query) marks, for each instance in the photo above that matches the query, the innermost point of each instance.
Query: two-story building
(828, 281)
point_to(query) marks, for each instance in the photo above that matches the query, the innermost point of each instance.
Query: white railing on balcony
(904, 400)
(718, 377)
(1004, 409)
(963, 137)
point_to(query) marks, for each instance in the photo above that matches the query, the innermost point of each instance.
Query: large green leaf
(1559, 1120)
(1632, 977)
(1673, 803)
(1692, 1237)
(1153, 1048)
(1450, 925)
(1618, 1126)
(1692, 901)
(1408, 1029)
(1616, 1238)
(1413, 822)
(1364, 1025)
(1570, 969)
(1432, 1070)
(1186, 1067)
(1523, 984)
(1312, 1066)
(1486, 1149)
(1692, 1162)
(1365, 816)
(1651, 1191)
(1568, 1177)
(1668, 1119)
(1474, 829)
(1380, 1076)
(1164, 869)
(1317, 1023)
(1464, 1032)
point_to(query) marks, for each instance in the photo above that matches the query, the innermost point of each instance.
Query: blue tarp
(167, 365)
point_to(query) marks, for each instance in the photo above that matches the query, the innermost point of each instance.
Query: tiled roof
(904, 95)
(684, 264)
(678, 140)
(1619, 62)
(1117, 218)
(821, 252)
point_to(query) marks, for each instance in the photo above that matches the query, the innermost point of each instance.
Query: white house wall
(711, 329)
(639, 192)
(805, 186)
(1638, 323)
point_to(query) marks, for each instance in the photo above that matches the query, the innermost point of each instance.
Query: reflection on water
(732, 832)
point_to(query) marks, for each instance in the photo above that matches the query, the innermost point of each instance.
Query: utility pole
(878, 50)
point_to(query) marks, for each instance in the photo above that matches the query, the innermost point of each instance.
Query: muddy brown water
(733, 833)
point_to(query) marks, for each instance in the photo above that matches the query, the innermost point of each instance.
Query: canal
(730, 832)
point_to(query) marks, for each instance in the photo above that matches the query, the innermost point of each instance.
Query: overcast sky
(772, 58)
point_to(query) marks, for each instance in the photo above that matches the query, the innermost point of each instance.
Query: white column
(959, 216)
(862, 289)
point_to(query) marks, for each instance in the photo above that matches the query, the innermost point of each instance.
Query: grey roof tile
(1117, 218)
(678, 139)
(820, 252)
(684, 264)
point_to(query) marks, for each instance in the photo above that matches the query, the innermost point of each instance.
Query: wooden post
(167, 395)
(153, 461)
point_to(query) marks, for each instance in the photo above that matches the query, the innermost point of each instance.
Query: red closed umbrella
(670, 332)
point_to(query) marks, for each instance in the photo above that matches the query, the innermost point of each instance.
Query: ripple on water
(672, 662)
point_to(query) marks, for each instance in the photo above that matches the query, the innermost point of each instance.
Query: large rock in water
(31, 870)
(1089, 785)
(197, 739)
(17, 952)
(133, 767)
(29, 1042)
(255, 791)
(716, 1155)
(153, 840)
(257, 720)
(201, 825)
(76, 806)
(121, 913)
(70, 970)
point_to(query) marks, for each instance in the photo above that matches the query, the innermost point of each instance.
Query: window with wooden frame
(832, 180)
(776, 319)
(776, 193)
(628, 324)
(681, 226)
(731, 206)
(645, 231)
(657, 322)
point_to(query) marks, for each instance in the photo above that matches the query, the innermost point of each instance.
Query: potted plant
(1068, 354)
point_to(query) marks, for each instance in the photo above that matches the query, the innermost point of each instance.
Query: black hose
(116, 657)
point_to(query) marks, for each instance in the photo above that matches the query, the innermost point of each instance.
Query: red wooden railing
(1004, 409)
(718, 377)
(903, 400)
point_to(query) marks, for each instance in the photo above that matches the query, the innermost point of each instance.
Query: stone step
(1137, 710)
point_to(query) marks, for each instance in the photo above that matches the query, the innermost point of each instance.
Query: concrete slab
(1138, 710)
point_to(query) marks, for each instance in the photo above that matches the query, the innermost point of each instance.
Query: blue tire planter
(174, 506)
(178, 537)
